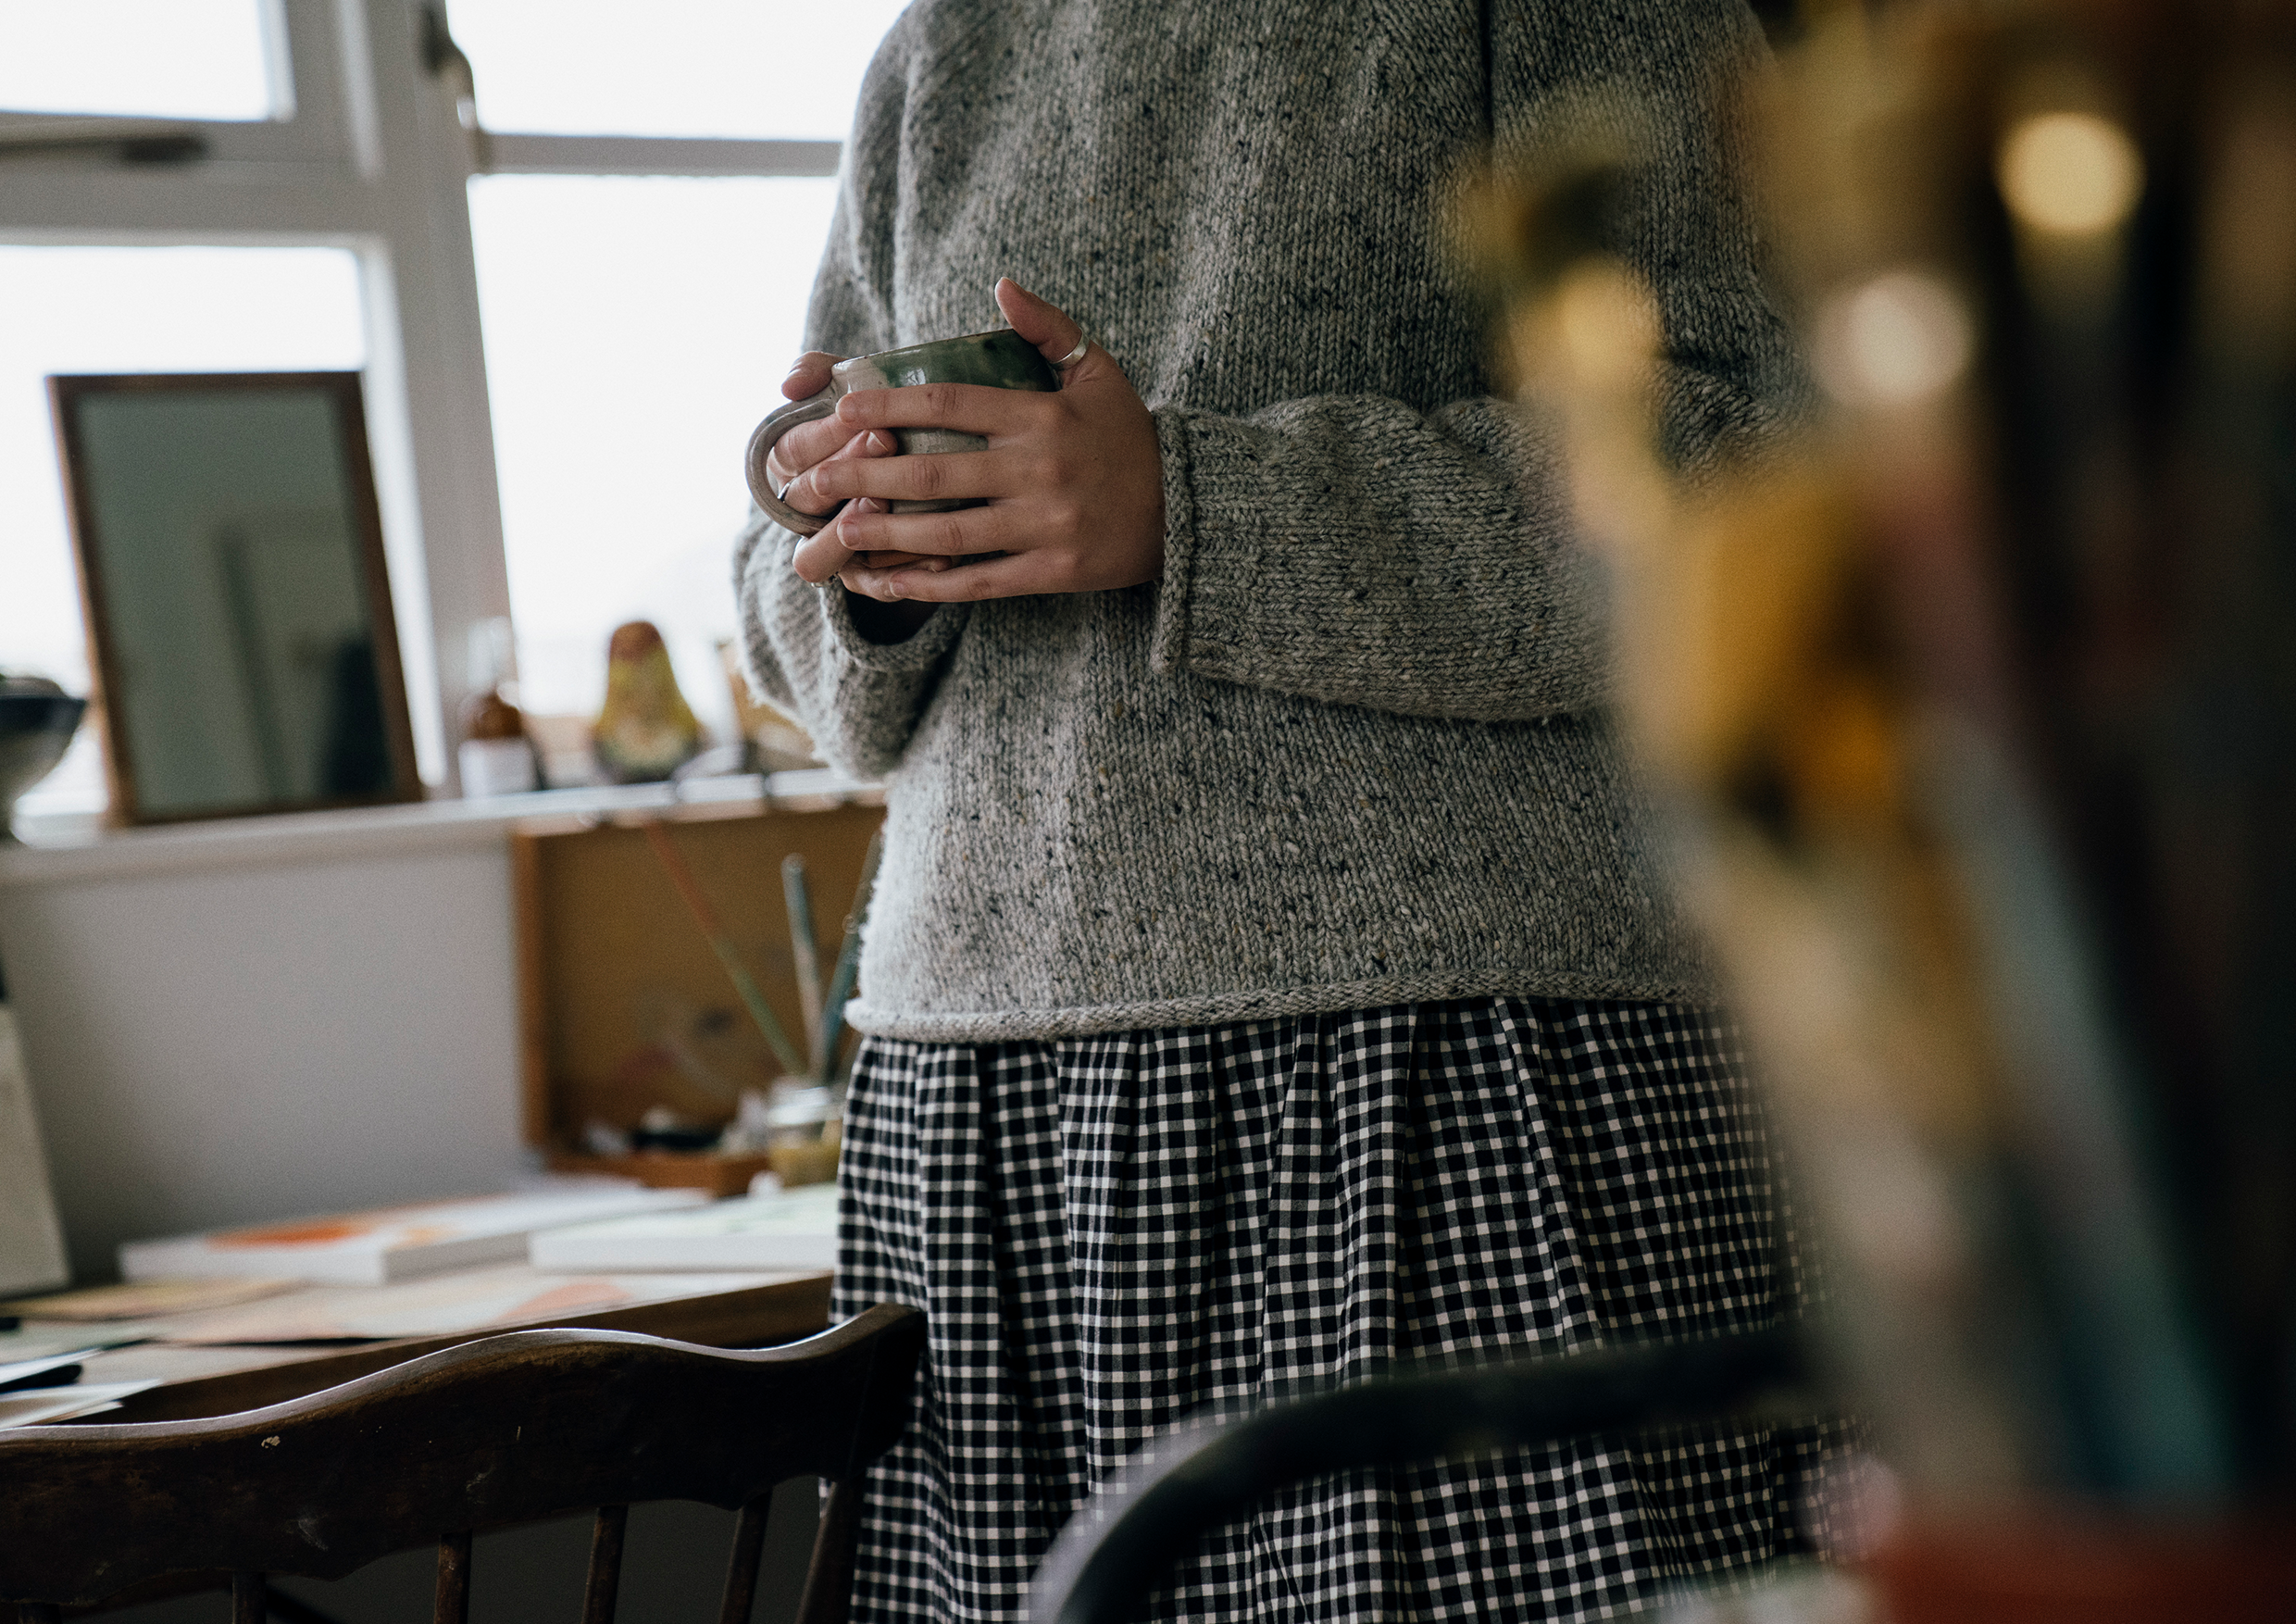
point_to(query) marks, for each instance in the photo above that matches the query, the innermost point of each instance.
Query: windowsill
(62, 848)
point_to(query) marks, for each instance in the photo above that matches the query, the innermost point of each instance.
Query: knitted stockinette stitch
(1349, 751)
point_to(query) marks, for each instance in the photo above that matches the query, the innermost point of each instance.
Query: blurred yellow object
(2076, 173)
(803, 1162)
(644, 732)
(1896, 340)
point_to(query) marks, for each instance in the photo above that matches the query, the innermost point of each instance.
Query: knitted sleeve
(1355, 550)
(859, 700)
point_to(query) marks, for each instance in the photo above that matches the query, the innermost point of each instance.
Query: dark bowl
(35, 729)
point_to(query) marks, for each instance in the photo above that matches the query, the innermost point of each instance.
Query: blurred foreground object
(1976, 695)
(644, 732)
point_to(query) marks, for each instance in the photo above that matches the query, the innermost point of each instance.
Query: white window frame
(369, 153)
(307, 120)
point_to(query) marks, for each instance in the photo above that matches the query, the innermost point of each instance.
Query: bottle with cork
(496, 758)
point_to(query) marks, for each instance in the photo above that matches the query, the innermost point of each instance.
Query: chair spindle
(606, 1564)
(248, 1594)
(749, 1544)
(829, 1577)
(451, 1603)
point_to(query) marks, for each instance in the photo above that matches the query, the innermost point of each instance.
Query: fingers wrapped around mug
(1071, 492)
(822, 557)
(803, 491)
(1066, 495)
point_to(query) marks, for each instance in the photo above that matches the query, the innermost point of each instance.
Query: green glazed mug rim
(1003, 339)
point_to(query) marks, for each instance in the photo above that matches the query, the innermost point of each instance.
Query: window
(140, 59)
(691, 68)
(608, 306)
(263, 82)
(636, 330)
(645, 246)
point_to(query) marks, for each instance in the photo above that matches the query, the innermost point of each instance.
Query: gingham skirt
(1108, 1233)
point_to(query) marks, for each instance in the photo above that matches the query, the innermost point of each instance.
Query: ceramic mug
(1001, 359)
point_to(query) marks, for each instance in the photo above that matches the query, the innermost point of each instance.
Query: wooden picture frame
(127, 537)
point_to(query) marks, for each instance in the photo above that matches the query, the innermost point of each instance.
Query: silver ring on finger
(1084, 343)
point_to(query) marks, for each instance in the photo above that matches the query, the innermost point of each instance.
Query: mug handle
(778, 422)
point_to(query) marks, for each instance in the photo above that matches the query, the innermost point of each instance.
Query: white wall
(218, 1038)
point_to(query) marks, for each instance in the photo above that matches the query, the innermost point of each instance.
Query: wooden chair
(508, 1430)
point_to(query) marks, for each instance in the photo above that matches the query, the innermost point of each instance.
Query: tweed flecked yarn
(1349, 751)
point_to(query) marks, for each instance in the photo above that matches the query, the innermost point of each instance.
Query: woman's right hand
(806, 447)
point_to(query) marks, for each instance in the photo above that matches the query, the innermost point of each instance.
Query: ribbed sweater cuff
(910, 657)
(1210, 590)
(1167, 645)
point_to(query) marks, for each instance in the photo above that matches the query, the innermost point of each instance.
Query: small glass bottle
(496, 756)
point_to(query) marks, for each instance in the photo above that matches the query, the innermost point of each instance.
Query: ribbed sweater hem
(1264, 1004)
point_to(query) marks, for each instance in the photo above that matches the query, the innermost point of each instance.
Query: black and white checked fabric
(1110, 1232)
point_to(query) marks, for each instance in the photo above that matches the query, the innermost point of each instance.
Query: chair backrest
(507, 1429)
(1119, 1545)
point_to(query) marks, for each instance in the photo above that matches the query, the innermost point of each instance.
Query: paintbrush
(722, 944)
(848, 961)
(805, 953)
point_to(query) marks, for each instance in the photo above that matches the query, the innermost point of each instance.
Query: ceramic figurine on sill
(645, 732)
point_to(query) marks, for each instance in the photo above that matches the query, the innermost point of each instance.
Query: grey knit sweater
(1350, 750)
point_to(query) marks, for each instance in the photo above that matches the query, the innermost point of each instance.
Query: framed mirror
(239, 614)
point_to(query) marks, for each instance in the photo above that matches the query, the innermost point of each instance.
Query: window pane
(636, 330)
(742, 68)
(132, 310)
(148, 58)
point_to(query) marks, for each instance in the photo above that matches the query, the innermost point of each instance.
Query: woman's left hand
(1074, 483)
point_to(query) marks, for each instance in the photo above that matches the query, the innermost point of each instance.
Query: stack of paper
(142, 1299)
(794, 1230)
(474, 1300)
(64, 1404)
(395, 1242)
(21, 1350)
(42, 1369)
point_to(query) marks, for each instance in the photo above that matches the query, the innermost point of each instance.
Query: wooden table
(211, 1381)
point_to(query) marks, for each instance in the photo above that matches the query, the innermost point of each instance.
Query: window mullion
(427, 386)
(515, 154)
(61, 202)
